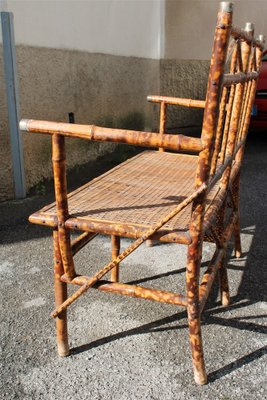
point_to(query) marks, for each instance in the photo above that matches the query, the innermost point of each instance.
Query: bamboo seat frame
(171, 197)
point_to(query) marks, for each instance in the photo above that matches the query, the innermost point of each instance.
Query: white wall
(128, 27)
(118, 27)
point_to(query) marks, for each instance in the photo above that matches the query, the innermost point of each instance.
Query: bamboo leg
(115, 251)
(223, 277)
(193, 311)
(238, 250)
(149, 243)
(224, 286)
(60, 297)
(236, 198)
(60, 184)
(223, 282)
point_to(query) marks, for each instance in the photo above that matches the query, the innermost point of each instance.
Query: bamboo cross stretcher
(186, 199)
(107, 268)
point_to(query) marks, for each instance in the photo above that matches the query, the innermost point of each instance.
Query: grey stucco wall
(100, 89)
(188, 79)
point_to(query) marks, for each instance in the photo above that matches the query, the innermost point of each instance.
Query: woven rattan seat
(134, 194)
(168, 196)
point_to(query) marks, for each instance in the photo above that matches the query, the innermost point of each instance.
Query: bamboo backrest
(231, 90)
(234, 69)
(225, 132)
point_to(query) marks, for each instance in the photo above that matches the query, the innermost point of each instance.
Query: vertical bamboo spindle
(237, 104)
(149, 243)
(222, 272)
(162, 121)
(219, 132)
(240, 154)
(115, 251)
(60, 183)
(162, 126)
(229, 107)
(247, 87)
(236, 196)
(60, 297)
(208, 135)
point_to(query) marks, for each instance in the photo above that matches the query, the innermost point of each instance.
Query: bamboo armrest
(97, 133)
(177, 101)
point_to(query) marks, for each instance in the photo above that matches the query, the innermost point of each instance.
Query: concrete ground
(124, 348)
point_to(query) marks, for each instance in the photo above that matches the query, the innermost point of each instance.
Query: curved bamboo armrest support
(97, 133)
(177, 101)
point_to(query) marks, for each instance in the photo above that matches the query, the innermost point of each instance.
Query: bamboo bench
(161, 195)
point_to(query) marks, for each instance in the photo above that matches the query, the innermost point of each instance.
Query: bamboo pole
(237, 106)
(132, 291)
(235, 194)
(241, 77)
(130, 230)
(219, 132)
(60, 296)
(78, 243)
(229, 108)
(208, 277)
(227, 124)
(210, 122)
(162, 121)
(96, 133)
(215, 264)
(115, 251)
(177, 101)
(239, 57)
(43, 219)
(244, 131)
(162, 127)
(60, 184)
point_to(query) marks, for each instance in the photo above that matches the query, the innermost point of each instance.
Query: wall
(125, 28)
(98, 59)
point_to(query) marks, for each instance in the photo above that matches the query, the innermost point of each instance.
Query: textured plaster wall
(183, 78)
(100, 89)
